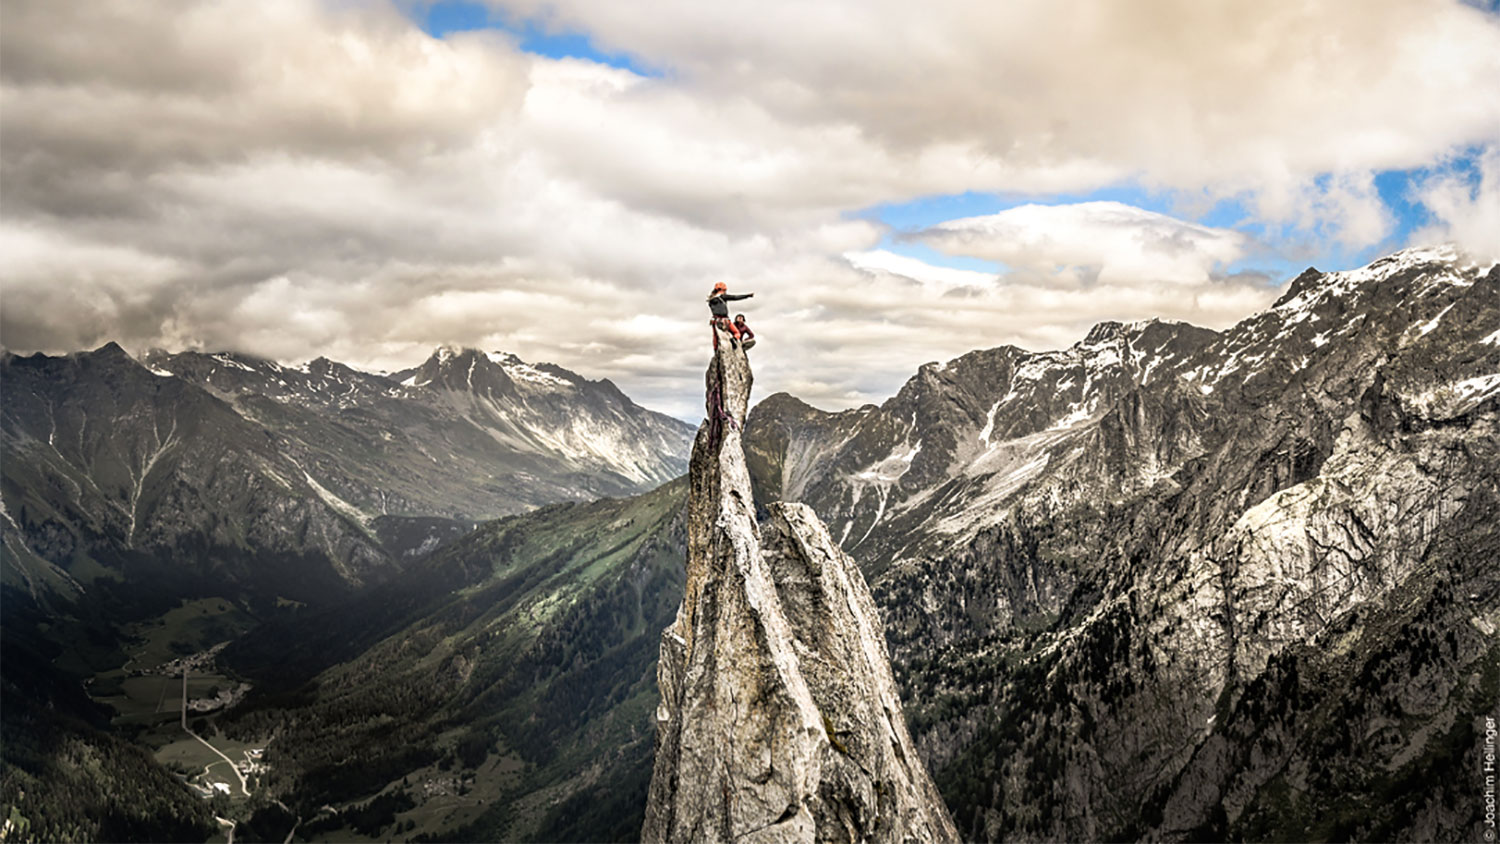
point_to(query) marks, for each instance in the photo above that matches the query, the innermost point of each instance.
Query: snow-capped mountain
(1189, 584)
(960, 437)
(466, 435)
(965, 437)
(546, 410)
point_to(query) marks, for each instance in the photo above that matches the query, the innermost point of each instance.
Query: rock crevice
(779, 718)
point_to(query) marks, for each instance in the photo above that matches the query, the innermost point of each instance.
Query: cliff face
(779, 718)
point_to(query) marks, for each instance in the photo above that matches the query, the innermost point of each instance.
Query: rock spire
(779, 718)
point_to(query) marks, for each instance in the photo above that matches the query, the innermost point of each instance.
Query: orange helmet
(720, 287)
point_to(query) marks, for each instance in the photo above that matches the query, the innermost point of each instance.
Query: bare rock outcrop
(779, 718)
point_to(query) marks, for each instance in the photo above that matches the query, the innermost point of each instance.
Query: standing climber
(719, 310)
(747, 337)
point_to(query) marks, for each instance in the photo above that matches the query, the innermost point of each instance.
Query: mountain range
(1188, 584)
(225, 466)
(1156, 584)
(1170, 582)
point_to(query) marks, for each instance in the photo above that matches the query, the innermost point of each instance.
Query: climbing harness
(716, 323)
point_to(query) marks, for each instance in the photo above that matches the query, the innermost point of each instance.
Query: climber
(719, 310)
(747, 337)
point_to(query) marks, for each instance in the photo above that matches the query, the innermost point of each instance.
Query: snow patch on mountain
(527, 373)
(881, 476)
(1023, 465)
(892, 468)
(1452, 399)
(337, 503)
(1427, 327)
(1079, 414)
(989, 424)
(228, 360)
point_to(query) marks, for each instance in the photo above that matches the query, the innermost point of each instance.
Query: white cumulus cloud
(1465, 210)
(1106, 242)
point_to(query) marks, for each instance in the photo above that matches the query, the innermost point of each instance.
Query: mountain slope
(127, 489)
(236, 469)
(146, 488)
(960, 436)
(515, 663)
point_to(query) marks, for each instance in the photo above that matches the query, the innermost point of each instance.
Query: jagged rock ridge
(779, 718)
(1177, 584)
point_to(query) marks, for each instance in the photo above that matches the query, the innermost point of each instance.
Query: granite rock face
(779, 718)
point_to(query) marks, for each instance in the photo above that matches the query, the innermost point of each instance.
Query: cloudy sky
(897, 182)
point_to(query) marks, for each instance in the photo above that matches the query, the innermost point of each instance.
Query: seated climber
(719, 310)
(747, 337)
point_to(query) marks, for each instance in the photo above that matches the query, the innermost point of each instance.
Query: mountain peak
(1103, 332)
(1304, 281)
(1439, 253)
(109, 355)
(445, 353)
(1112, 330)
(1387, 276)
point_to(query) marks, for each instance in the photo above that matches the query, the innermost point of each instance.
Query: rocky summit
(779, 717)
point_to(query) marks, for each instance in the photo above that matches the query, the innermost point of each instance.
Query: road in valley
(244, 787)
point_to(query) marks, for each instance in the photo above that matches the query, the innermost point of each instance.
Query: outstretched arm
(735, 297)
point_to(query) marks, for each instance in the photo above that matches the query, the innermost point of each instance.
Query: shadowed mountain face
(228, 467)
(119, 481)
(513, 668)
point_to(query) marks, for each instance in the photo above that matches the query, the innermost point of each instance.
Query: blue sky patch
(537, 37)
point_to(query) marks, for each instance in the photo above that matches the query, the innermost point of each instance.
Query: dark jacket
(717, 306)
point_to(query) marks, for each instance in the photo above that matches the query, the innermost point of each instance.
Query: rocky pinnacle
(779, 718)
